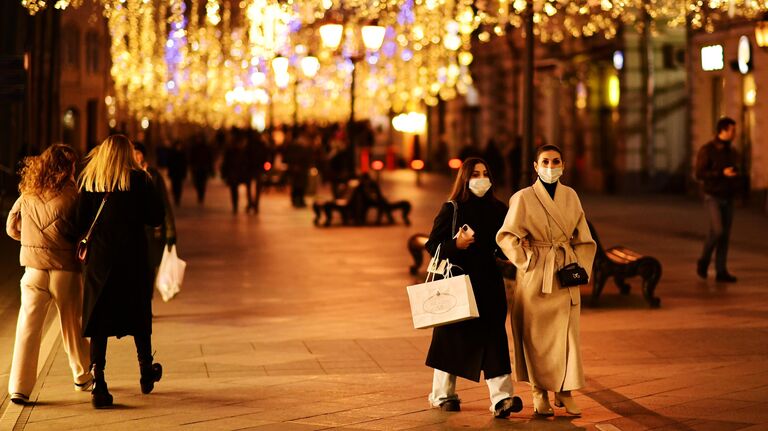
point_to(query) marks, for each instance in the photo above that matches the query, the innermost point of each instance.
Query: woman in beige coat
(42, 219)
(545, 229)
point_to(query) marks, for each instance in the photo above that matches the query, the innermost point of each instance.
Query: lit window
(712, 58)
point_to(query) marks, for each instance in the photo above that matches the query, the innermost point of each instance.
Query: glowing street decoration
(213, 64)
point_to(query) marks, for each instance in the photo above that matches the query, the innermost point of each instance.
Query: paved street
(284, 326)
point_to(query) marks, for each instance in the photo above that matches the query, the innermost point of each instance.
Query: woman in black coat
(117, 296)
(466, 348)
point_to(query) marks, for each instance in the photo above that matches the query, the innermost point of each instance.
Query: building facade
(719, 88)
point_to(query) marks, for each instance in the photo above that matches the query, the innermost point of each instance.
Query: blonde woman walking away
(118, 200)
(43, 220)
(545, 229)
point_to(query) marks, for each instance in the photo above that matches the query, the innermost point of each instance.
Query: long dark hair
(460, 191)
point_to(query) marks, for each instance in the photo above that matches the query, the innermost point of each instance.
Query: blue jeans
(720, 213)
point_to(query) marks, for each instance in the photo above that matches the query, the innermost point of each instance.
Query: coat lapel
(552, 207)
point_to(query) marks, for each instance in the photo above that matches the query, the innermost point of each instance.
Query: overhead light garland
(211, 61)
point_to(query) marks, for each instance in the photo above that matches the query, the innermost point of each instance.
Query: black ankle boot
(150, 373)
(100, 396)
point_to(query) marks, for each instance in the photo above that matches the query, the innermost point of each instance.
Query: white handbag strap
(436, 258)
(434, 261)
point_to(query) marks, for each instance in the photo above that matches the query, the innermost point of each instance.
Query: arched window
(92, 52)
(70, 126)
(70, 46)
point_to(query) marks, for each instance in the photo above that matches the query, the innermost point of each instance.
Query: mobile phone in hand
(465, 231)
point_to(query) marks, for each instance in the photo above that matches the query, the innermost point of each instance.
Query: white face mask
(479, 186)
(550, 175)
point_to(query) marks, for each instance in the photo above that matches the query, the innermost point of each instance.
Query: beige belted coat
(541, 235)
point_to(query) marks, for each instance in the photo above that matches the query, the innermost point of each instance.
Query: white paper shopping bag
(440, 302)
(170, 274)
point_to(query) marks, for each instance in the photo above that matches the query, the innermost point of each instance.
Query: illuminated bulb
(309, 66)
(373, 36)
(331, 35)
(452, 42)
(465, 58)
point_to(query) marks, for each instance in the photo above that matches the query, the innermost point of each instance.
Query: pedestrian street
(281, 325)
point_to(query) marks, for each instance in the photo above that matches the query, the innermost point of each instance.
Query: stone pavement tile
(648, 422)
(340, 419)
(756, 394)
(283, 426)
(753, 415)
(705, 425)
(595, 414)
(704, 408)
(216, 349)
(335, 364)
(388, 424)
(293, 410)
(760, 427)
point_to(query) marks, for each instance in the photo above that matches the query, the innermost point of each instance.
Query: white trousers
(444, 388)
(38, 288)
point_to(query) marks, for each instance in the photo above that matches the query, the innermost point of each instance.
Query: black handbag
(572, 275)
(82, 246)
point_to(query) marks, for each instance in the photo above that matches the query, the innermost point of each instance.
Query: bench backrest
(600, 250)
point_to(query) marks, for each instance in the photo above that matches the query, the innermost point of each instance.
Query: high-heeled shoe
(564, 399)
(541, 404)
(150, 373)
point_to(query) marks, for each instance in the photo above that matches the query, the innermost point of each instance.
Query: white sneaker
(84, 387)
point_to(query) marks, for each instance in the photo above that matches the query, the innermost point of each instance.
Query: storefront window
(92, 52)
(70, 49)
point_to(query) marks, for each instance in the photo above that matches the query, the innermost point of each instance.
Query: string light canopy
(229, 62)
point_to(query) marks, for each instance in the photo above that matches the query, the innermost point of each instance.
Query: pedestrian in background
(717, 168)
(258, 155)
(42, 218)
(545, 229)
(298, 157)
(158, 237)
(177, 170)
(234, 167)
(495, 160)
(201, 165)
(466, 348)
(118, 279)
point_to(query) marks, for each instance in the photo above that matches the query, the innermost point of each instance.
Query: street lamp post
(528, 100)
(309, 66)
(373, 37)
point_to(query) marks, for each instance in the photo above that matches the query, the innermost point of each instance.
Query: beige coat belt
(549, 260)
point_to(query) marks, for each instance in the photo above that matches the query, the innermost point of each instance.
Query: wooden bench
(622, 263)
(359, 197)
(327, 208)
(416, 244)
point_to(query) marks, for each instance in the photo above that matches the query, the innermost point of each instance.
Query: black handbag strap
(455, 212)
(101, 207)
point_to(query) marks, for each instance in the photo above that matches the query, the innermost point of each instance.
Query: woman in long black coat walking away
(466, 348)
(117, 299)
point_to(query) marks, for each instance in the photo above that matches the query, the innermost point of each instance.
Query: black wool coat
(466, 348)
(117, 297)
